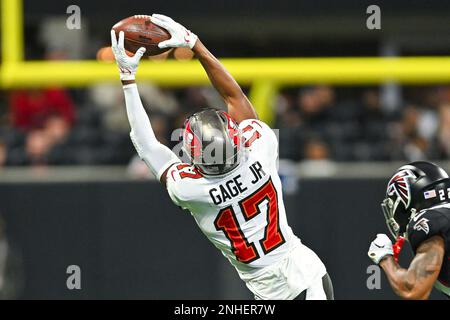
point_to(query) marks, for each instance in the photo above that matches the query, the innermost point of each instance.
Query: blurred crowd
(55, 126)
(316, 123)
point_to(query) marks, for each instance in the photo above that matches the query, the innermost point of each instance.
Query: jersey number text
(227, 222)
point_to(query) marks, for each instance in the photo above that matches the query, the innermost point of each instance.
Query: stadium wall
(132, 243)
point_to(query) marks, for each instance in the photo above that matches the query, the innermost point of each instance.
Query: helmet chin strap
(389, 208)
(413, 215)
(394, 224)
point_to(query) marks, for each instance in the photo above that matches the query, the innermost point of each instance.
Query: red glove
(398, 247)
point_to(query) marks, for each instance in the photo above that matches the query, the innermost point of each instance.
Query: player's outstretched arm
(157, 156)
(417, 281)
(239, 107)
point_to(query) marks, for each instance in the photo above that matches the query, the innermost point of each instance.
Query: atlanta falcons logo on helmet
(399, 185)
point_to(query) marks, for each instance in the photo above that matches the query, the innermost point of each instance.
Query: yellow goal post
(264, 76)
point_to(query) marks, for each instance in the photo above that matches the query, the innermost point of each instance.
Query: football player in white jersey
(231, 186)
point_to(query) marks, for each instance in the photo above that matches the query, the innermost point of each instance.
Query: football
(141, 32)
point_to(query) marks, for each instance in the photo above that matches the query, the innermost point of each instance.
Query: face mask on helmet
(396, 215)
(212, 141)
(397, 204)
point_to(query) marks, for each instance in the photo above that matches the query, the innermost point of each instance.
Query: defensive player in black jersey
(416, 208)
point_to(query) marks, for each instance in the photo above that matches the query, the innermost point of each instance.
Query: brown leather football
(141, 32)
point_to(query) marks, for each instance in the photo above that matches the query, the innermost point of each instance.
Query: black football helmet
(212, 141)
(414, 187)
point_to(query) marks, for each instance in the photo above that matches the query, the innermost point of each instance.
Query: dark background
(262, 28)
(131, 242)
(237, 7)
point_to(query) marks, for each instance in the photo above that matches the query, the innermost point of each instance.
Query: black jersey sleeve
(427, 224)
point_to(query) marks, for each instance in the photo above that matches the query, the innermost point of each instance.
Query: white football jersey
(242, 213)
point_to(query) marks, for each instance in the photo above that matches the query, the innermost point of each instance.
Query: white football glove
(180, 36)
(380, 248)
(127, 65)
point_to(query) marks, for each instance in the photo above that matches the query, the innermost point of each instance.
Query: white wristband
(127, 77)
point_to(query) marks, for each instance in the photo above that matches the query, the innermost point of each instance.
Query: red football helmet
(212, 141)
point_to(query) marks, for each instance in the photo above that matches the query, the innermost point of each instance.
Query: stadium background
(351, 104)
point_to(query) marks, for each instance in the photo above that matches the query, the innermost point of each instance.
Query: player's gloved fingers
(163, 45)
(171, 26)
(163, 24)
(121, 40)
(139, 54)
(162, 17)
(383, 238)
(113, 39)
(158, 22)
(379, 244)
(166, 44)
